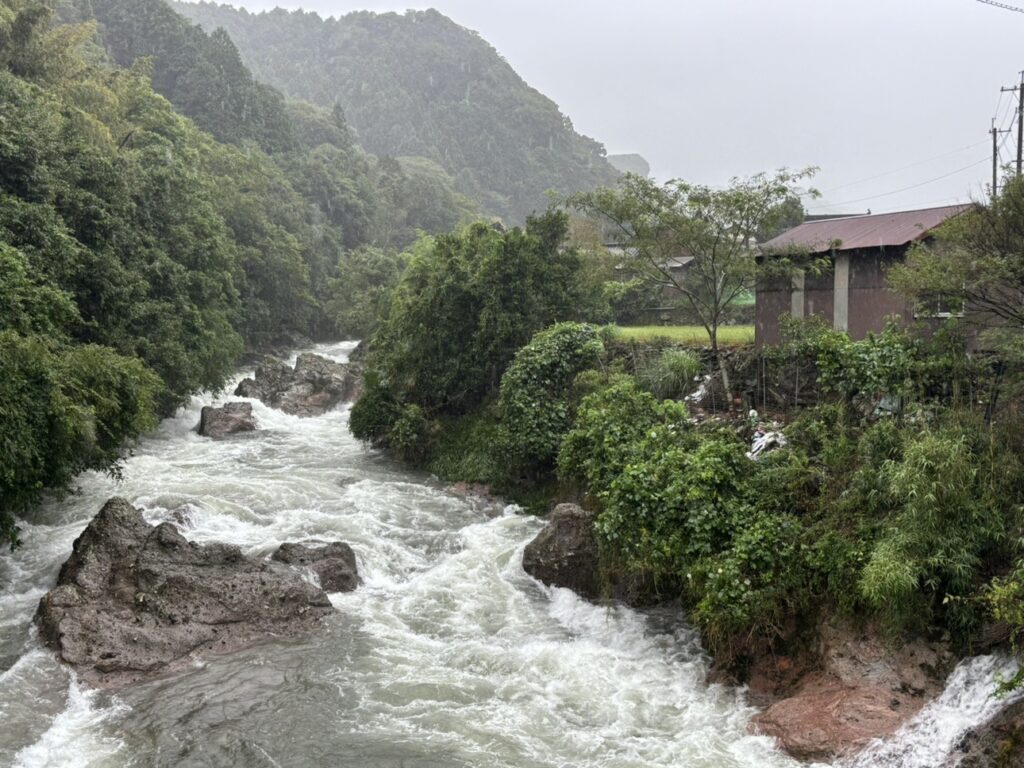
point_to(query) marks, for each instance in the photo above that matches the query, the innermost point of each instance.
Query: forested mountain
(139, 255)
(418, 84)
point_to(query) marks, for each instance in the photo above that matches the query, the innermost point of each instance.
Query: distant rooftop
(872, 231)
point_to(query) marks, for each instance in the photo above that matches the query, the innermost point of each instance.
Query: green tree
(710, 232)
(465, 306)
(975, 265)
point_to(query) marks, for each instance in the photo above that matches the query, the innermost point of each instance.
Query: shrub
(752, 586)
(469, 449)
(671, 375)
(675, 500)
(374, 413)
(939, 528)
(534, 402)
(409, 434)
(609, 423)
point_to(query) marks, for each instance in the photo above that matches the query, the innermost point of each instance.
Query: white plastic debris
(765, 441)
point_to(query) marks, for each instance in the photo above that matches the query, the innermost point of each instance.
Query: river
(448, 655)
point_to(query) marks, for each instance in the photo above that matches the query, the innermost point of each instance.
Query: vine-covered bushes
(535, 390)
(904, 521)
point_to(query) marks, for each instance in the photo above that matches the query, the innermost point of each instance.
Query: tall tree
(693, 238)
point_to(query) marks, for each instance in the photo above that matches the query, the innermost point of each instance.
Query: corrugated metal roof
(874, 231)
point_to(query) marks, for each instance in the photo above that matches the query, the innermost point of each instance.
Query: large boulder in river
(334, 563)
(314, 386)
(227, 420)
(565, 554)
(134, 600)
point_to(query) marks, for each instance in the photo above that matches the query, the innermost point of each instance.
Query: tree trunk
(713, 333)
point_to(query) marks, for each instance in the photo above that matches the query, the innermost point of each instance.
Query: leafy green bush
(408, 435)
(374, 413)
(674, 501)
(754, 584)
(609, 423)
(61, 412)
(941, 525)
(672, 374)
(534, 400)
(470, 449)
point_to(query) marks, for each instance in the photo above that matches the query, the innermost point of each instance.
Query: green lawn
(728, 335)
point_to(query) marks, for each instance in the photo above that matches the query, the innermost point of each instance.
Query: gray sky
(710, 89)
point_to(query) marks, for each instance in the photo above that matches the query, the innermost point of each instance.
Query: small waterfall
(928, 740)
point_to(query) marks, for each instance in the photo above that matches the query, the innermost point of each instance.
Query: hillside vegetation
(140, 254)
(420, 85)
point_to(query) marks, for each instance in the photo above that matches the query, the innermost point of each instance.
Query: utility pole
(1020, 124)
(995, 157)
(1018, 91)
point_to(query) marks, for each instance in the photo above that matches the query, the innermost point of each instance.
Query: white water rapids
(448, 656)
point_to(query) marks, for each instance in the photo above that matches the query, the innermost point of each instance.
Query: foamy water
(448, 655)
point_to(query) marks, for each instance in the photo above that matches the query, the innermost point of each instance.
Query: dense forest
(143, 254)
(420, 85)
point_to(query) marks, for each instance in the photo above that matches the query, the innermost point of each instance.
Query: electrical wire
(905, 167)
(912, 186)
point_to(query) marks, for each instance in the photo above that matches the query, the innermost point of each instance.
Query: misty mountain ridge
(418, 84)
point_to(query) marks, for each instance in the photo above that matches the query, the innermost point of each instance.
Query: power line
(905, 167)
(914, 186)
(1002, 5)
(939, 201)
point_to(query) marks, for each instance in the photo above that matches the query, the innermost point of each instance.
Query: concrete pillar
(841, 293)
(796, 298)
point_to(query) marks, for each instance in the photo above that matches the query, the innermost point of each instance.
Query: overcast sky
(710, 89)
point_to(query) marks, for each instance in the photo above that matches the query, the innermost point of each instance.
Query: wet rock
(133, 600)
(313, 387)
(565, 554)
(333, 563)
(360, 353)
(859, 690)
(227, 420)
(998, 743)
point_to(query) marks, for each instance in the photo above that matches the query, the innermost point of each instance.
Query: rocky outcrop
(998, 743)
(313, 387)
(334, 563)
(565, 554)
(134, 600)
(859, 689)
(227, 420)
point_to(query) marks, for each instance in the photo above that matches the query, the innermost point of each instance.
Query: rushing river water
(448, 655)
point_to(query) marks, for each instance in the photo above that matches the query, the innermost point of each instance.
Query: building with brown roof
(852, 295)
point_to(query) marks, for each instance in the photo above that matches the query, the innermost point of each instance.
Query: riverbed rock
(860, 689)
(999, 743)
(334, 563)
(565, 554)
(314, 386)
(227, 420)
(135, 600)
